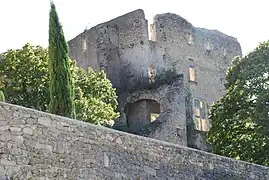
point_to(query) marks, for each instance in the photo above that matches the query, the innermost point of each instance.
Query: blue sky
(25, 21)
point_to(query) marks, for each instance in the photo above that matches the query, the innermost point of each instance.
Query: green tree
(24, 76)
(240, 119)
(96, 99)
(61, 83)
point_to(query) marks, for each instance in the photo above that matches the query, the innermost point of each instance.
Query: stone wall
(36, 145)
(177, 45)
(171, 124)
(120, 47)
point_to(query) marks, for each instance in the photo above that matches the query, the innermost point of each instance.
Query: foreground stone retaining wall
(36, 145)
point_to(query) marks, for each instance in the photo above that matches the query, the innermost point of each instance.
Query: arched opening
(141, 113)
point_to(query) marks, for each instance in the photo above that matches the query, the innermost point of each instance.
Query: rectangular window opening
(84, 45)
(201, 115)
(192, 74)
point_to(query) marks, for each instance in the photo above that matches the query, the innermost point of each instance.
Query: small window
(84, 45)
(190, 59)
(200, 115)
(225, 52)
(152, 73)
(190, 38)
(209, 48)
(192, 74)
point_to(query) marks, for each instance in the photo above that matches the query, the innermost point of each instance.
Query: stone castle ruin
(165, 85)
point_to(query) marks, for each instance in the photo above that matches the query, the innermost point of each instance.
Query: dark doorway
(141, 113)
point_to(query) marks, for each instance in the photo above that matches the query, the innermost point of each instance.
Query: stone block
(28, 130)
(150, 170)
(15, 129)
(44, 121)
(106, 160)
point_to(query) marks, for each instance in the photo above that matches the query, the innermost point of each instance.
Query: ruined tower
(177, 74)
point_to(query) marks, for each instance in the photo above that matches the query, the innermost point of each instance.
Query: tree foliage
(61, 82)
(240, 119)
(24, 74)
(96, 99)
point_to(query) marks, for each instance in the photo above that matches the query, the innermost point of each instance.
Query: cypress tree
(61, 83)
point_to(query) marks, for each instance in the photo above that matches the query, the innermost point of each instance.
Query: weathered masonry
(134, 62)
(37, 145)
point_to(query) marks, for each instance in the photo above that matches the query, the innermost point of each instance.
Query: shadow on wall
(155, 110)
(141, 114)
(196, 138)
